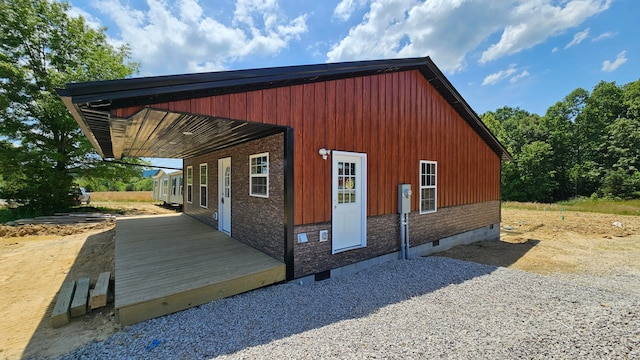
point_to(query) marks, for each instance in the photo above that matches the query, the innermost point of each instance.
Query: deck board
(172, 262)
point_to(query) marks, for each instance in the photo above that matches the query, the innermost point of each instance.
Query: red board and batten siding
(398, 119)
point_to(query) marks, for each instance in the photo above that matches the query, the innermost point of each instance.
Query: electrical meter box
(404, 198)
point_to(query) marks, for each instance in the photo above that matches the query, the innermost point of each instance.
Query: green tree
(603, 106)
(516, 129)
(584, 144)
(42, 48)
(537, 173)
(558, 126)
(144, 185)
(622, 158)
(129, 177)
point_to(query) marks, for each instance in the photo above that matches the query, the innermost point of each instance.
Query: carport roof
(91, 103)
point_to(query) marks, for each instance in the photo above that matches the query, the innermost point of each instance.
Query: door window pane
(346, 182)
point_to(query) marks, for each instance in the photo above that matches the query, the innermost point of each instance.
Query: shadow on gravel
(261, 316)
(497, 253)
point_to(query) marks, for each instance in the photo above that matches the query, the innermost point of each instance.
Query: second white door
(224, 192)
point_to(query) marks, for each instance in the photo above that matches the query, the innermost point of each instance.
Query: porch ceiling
(160, 133)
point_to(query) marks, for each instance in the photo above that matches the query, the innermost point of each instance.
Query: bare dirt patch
(134, 207)
(34, 262)
(569, 243)
(50, 230)
(145, 196)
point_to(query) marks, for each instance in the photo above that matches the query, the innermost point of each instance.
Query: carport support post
(288, 202)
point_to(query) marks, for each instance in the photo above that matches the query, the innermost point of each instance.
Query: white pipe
(406, 232)
(402, 235)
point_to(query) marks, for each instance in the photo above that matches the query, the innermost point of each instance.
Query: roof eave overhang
(80, 97)
(153, 90)
(446, 89)
(84, 126)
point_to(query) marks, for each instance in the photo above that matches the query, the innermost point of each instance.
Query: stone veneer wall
(383, 235)
(255, 221)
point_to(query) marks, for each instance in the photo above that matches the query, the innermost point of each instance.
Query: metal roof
(91, 104)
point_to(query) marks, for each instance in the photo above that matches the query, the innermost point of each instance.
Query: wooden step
(79, 303)
(98, 296)
(60, 314)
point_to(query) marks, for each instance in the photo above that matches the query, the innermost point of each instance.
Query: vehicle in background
(79, 195)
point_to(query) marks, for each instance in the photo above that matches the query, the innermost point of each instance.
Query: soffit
(165, 134)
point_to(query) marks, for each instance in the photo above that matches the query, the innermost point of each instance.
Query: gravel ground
(423, 308)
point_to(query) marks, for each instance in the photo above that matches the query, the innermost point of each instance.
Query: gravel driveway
(422, 308)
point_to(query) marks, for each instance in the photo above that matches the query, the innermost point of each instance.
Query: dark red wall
(397, 118)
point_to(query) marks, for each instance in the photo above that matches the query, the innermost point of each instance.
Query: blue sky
(519, 53)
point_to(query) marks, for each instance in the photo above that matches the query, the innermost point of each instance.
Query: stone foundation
(451, 226)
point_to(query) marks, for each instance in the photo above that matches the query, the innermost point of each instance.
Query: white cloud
(609, 66)
(412, 28)
(509, 72)
(179, 37)
(554, 50)
(90, 20)
(603, 36)
(345, 8)
(450, 30)
(190, 10)
(522, 75)
(578, 38)
(494, 78)
(532, 22)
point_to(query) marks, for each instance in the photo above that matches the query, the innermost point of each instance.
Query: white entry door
(349, 192)
(224, 192)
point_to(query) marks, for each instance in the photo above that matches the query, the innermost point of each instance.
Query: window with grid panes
(189, 184)
(428, 190)
(203, 185)
(259, 175)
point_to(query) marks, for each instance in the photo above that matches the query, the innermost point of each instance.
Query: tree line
(587, 144)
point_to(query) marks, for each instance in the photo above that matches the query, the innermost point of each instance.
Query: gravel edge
(431, 307)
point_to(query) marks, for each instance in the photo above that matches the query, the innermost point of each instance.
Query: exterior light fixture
(324, 153)
(187, 133)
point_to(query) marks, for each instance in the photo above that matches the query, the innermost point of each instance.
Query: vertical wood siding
(398, 119)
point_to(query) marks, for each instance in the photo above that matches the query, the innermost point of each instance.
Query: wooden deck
(173, 262)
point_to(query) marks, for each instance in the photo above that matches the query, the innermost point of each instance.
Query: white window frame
(190, 184)
(204, 187)
(433, 186)
(174, 186)
(165, 186)
(261, 175)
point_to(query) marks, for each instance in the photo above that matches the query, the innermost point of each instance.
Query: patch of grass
(119, 196)
(11, 214)
(603, 206)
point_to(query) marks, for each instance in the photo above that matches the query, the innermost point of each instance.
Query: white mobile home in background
(168, 187)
